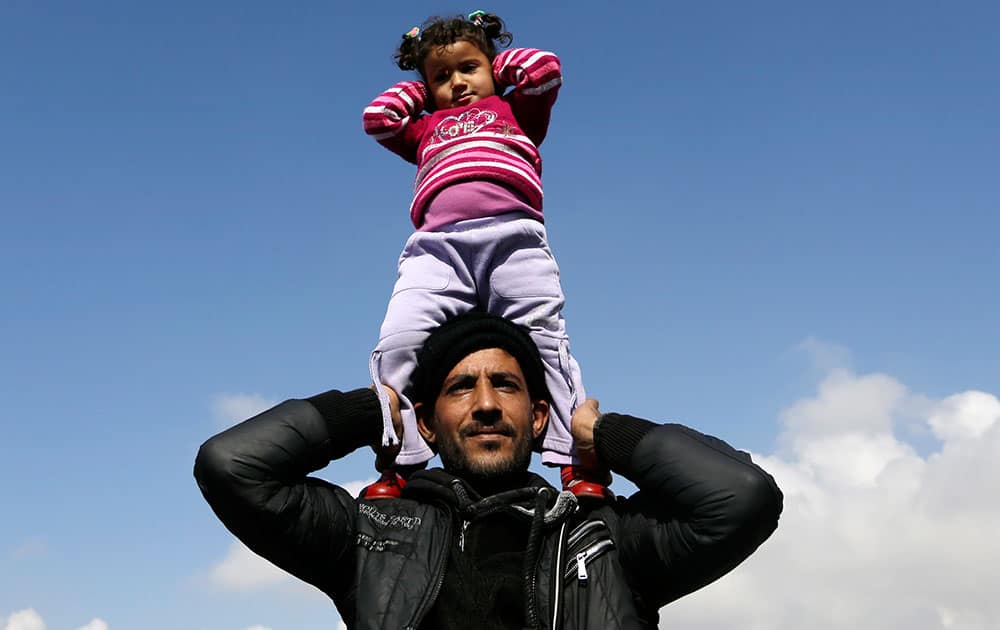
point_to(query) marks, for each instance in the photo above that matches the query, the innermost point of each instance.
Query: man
(484, 543)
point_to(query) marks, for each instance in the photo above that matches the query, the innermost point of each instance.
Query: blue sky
(755, 207)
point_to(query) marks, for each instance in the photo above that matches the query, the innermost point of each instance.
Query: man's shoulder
(614, 513)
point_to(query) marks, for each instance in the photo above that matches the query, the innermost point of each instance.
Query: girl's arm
(394, 119)
(535, 76)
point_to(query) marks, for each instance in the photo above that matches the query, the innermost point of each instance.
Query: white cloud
(965, 416)
(228, 409)
(874, 535)
(257, 628)
(95, 624)
(27, 619)
(242, 570)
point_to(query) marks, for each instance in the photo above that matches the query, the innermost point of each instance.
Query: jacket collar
(438, 486)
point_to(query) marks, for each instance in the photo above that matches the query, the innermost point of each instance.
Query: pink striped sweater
(494, 139)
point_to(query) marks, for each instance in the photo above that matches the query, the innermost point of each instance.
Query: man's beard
(487, 474)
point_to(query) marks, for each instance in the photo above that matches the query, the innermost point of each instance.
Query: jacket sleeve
(536, 76)
(394, 118)
(702, 507)
(255, 477)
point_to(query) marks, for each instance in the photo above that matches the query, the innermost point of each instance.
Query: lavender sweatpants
(501, 264)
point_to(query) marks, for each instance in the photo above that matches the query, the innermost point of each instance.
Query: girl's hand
(582, 428)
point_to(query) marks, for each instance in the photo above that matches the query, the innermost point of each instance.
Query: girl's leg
(524, 287)
(431, 288)
(562, 376)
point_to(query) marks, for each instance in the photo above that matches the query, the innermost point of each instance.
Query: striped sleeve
(536, 76)
(394, 118)
(532, 72)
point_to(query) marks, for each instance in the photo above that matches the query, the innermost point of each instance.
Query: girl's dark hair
(437, 32)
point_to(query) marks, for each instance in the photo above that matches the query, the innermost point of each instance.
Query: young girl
(477, 207)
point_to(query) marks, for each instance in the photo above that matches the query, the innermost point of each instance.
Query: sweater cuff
(353, 419)
(616, 436)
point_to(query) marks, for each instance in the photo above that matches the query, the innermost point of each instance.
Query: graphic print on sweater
(464, 124)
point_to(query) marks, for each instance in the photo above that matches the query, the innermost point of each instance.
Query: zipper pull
(461, 535)
(581, 567)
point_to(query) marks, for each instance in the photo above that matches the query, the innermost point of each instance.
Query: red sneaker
(388, 486)
(582, 483)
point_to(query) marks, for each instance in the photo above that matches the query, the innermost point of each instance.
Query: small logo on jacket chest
(464, 124)
(395, 521)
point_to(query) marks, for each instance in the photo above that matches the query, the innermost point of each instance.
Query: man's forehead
(487, 361)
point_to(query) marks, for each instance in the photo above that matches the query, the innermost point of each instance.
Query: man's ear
(423, 414)
(539, 417)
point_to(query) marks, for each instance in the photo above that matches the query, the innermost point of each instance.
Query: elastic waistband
(466, 225)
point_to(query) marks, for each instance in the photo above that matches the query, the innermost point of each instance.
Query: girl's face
(458, 75)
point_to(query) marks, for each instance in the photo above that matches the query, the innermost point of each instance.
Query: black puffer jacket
(702, 508)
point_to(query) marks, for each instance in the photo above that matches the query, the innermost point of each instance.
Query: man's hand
(582, 427)
(386, 455)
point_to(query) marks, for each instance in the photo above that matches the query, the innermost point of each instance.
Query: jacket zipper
(579, 563)
(557, 598)
(582, 531)
(461, 534)
(432, 596)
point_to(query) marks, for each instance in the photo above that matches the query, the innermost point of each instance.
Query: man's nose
(486, 407)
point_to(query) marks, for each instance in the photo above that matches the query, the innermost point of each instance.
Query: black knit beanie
(464, 334)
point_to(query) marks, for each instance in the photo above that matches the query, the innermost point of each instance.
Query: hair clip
(476, 17)
(413, 33)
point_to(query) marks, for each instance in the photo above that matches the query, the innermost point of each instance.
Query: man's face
(484, 422)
